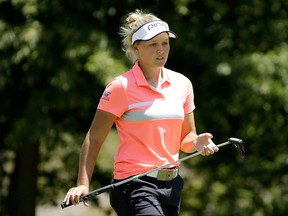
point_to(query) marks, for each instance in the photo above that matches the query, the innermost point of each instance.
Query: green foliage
(255, 109)
(57, 56)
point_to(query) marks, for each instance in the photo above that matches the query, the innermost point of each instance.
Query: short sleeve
(114, 99)
(189, 104)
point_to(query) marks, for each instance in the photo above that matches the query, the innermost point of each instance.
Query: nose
(160, 49)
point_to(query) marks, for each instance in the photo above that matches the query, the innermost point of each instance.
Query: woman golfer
(152, 108)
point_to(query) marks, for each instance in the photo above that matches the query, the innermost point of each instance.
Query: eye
(153, 44)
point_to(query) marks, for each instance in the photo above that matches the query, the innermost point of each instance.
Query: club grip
(90, 195)
(64, 205)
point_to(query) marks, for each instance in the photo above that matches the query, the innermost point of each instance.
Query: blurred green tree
(50, 85)
(57, 56)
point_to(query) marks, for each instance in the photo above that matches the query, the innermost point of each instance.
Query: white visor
(150, 30)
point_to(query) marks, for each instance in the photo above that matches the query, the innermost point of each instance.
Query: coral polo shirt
(149, 121)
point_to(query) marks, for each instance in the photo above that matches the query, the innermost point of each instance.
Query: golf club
(237, 143)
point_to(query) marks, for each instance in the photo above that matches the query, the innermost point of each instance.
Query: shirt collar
(140, 78)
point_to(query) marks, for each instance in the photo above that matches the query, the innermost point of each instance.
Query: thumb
(86, 203)
(205, 135)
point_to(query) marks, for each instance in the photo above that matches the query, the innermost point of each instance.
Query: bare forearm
(188, 143)
(189, 134)
(89, 153)
(92, 144)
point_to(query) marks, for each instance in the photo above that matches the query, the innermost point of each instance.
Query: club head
(239, 145)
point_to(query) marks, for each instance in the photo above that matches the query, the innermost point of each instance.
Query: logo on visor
(158, 24)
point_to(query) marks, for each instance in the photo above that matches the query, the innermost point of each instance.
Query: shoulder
(121, 80)
(176, 76)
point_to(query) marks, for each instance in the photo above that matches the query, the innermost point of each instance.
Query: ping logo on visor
(150, 30)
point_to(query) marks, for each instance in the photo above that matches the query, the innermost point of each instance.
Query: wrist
(83, 181)
(83, 187)
(189, 147)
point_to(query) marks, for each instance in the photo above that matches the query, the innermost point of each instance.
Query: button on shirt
(149, 121)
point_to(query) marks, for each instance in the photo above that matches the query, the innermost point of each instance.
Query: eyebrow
(154, 40)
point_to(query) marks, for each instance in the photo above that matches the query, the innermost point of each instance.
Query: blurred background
(57, 56)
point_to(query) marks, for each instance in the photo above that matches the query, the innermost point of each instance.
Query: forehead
(160, 37)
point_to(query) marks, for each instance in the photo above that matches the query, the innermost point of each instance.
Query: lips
(160, 58)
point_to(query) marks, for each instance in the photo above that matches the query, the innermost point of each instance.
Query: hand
(73, 195)
(205, 145)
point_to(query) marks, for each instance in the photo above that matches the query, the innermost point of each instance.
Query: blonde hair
(132, 22)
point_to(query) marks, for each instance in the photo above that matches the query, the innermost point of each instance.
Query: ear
(136, 49)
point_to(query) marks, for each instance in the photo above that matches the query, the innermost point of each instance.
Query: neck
(152, 75)
(153, 78)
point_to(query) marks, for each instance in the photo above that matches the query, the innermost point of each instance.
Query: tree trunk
(23, 185)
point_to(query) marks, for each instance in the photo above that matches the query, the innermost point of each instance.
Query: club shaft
(96, 192)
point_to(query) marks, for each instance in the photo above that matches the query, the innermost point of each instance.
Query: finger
(205, 151)
(70, 197)
(76, 196)
(205, 136)
(67, 198)
(76, 199)
(210, 150)
(212, 147)
(86, 203)
(216, 149)
(209, 135)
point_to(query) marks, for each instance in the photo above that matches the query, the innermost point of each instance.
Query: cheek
(147, 52)
(145, 55)
(167, 48)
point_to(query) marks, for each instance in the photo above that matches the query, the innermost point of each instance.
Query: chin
(160, 63)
